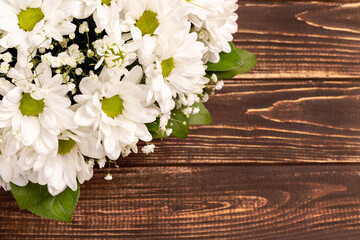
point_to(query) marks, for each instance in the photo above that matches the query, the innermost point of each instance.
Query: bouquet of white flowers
(83, 81)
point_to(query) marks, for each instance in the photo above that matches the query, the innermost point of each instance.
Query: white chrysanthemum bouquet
(83, 81)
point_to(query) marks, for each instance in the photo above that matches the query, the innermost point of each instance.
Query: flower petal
(30, 129)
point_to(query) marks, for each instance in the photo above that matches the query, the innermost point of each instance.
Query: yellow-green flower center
(167, 66)
(112, 106)
(148, 23)
(113, 56)
(107, 2)
(29, 18)
(31, 107)
(65, 146)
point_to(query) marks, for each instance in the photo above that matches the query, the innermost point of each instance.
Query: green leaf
(154, 129)
(154, 126)
(201, 118)
(228, 61)
(29, 195)
(248, 62)
(39, 201)
(60, 207)
(179, 124)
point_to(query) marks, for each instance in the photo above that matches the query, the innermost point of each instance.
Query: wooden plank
(234, 202)
(287, 1)
(270, 122)
(301, 39)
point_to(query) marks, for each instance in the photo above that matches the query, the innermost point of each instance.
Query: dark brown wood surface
(281, 161)
(215, 202)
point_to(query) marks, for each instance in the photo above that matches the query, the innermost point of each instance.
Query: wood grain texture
(301, 39)
(229, 181)
(235, 202)
(270, 122)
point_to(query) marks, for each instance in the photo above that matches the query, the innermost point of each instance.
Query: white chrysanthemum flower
(10, 171)
(115, 54)
(31, 23)
(9, 168)
(153, 17)
(63, 167)
(4, 185)
(117, 109)
(200, 10)
(178, 69)
(2, 49)
(38, 112)
(147, 19)
(215, 21)
(105, 12)
(5, 86)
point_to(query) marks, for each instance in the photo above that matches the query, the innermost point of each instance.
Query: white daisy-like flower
(105, 12)
(2, 49)
(153, 17)
(37, 112)
(147, 19)
(10, 170)
(200, 10)
(5, 86)
(115, 54)
(215, 22)
(63, 167)
(178, 69)
(117, 110)
(29, 23)
(4, 185)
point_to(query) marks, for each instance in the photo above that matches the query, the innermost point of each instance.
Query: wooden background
(281, 161)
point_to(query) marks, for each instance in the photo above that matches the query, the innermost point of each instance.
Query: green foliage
(203, 117)
(179, 124)
(38, 200)
(154, 129)
(238, 61)
(228, 61)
